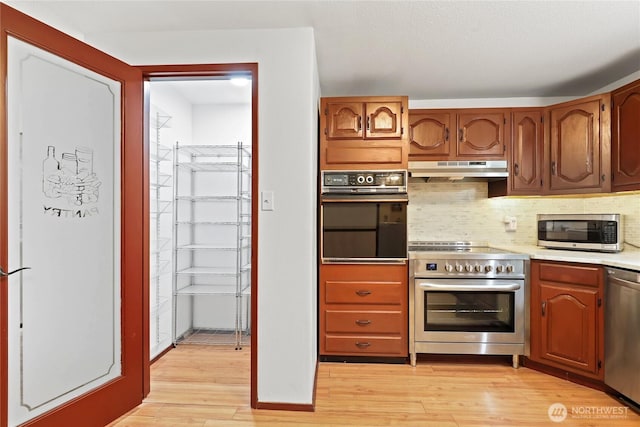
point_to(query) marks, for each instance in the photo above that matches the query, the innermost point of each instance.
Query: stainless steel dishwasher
(622, 333)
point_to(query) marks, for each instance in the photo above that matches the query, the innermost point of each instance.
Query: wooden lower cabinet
(567, 323)
(363, 310)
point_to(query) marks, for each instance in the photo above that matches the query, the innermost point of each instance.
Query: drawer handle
(363, 293)
(363, 322)
(362, 344)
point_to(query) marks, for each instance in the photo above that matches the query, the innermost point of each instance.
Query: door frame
(131, 384)
(202, 71)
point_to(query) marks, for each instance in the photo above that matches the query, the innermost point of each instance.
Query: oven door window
(364, 230)
(469, 311)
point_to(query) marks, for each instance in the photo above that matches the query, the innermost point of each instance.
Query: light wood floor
(209, 386)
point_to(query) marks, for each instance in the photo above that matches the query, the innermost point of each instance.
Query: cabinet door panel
(344, 120)
(384, 120)
(429, 136)
(569, 326)
(575, 146)
(481, 134)
(526, 152)
(625, 135)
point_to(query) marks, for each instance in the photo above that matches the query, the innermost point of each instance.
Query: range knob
(448, 268)
(360, 179)
(478, 268)
(488, 268)
(469, 268)
(459, 268)
(500, 269)
(369, 179)
(509, 268)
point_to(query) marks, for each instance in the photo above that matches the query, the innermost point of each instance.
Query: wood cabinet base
(567, 375)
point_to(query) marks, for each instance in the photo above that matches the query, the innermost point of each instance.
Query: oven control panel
(364, 181)
(492, 268)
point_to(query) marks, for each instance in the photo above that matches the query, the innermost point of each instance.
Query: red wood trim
(125, 392)
(146, 279)
(254, 237)
(4, 206)
(300, 407)
(177, 72)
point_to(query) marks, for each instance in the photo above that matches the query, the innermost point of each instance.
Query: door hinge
(602, 107)
(504, 148)
(599, 302)
(599, 364)
(402, 131)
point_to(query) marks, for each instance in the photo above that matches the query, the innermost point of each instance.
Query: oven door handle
(465, 287)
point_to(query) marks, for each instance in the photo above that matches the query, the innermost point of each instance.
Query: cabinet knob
(460, 135)
(553, 168)
(363, 293)
(446, 134)
(544, 307)
(516, 169)
(359, 123)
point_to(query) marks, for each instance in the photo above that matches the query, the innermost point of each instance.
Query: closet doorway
(202, 136)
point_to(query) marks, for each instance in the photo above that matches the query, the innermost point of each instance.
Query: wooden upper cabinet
(429, 134)
(465, 134)
(625, 138)
(344, 120)
(384, 120)
(580, 146)
(481, 133)
(359, 133)
(526, 154)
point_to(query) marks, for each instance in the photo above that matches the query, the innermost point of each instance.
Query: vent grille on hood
(458, 170)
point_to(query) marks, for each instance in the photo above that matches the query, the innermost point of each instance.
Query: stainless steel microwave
(583, 232)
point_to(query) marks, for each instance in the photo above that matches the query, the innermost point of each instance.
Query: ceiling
(423, 49)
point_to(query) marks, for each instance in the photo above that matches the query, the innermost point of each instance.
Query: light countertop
(628, 258)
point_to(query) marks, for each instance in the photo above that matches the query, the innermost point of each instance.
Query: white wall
(288, 90)
(228, 122)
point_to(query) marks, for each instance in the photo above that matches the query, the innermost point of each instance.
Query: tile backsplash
(462, 211)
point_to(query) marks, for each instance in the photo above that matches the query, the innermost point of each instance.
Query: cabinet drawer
(339, 292)
(366, 322)
(357, 345)
(572, 274)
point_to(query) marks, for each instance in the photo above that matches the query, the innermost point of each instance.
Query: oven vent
(445, 170)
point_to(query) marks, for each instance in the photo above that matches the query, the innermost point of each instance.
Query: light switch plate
(267, 200)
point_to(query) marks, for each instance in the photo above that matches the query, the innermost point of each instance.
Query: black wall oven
(363, 216)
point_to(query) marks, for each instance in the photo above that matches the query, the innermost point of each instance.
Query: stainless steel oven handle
(468, 288)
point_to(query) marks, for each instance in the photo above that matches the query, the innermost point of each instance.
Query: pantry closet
(200, 212)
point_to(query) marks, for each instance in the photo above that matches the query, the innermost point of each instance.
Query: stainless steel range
(466, 298)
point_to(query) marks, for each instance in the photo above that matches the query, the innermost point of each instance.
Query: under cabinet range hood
(456, 170)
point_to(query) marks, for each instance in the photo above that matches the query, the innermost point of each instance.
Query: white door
(74, 347)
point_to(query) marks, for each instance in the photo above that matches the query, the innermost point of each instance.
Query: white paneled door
(73, 215)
